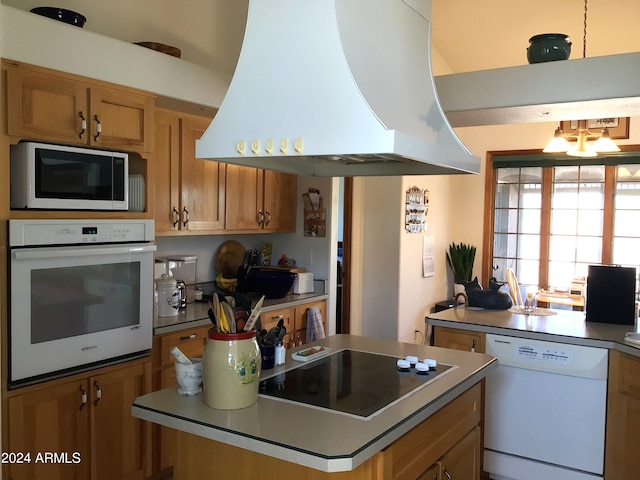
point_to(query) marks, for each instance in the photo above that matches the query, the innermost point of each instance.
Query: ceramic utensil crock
(231, 365)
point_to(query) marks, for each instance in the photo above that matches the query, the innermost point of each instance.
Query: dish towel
(315, 330)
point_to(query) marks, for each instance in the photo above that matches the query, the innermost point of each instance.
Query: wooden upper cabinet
(244, 198)
(121, 119)
(189, 193)
(203, 181)
(56, 107)
(260, 200)
(280, 191)
(42, 106)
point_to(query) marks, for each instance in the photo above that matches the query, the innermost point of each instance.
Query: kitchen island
(278, 438)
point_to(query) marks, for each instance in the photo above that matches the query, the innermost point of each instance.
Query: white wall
(208, 33)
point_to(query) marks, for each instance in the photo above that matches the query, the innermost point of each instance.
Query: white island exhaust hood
(336, 88)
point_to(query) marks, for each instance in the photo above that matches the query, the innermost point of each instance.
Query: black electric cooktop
(348, 381)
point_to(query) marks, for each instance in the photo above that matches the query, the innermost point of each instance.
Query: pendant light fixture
(588, 143)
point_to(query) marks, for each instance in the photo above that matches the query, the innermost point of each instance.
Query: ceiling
(480, 35)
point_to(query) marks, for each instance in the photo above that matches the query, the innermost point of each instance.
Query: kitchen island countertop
(321, 439)
(564, 326)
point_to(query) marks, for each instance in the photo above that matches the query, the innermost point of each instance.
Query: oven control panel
(24, 233)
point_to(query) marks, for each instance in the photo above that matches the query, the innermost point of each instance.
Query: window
(551, 219)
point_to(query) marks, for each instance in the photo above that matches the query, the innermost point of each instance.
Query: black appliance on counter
(611, 294)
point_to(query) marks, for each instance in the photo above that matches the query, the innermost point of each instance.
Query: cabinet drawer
(459, 339)
(269, 320)
(191, 341)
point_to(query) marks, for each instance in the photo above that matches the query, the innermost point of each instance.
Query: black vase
(548, 47)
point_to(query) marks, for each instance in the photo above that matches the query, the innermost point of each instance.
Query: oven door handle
(60, 252)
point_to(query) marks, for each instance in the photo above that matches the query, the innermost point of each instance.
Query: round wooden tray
(161, 47)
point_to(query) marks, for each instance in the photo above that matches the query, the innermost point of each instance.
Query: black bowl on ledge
(62, 15)
(274, 283)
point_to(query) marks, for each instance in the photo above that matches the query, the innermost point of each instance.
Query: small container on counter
(168, 296)
(281, 353)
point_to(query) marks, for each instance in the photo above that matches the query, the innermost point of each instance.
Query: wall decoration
(416, 209)
(315, 215)
(618, 127)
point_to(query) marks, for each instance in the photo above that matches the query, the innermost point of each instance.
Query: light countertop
(564, 326)
(318, 438)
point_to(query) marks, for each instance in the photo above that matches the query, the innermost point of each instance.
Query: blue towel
(315, 329)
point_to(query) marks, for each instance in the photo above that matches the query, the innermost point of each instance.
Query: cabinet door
(42, 106)
(167, 172)
(202, 182)
(52, 419)
(244, 192)
(463, 460)
(301, 319)
(432, 473)
(280, 192)
(459, 339)
(623, 417)
(121, 119)
(121, 442)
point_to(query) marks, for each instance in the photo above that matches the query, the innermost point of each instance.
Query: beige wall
(456, 215)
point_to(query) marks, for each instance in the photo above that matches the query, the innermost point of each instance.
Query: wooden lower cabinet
(622, 461)
(456, 339)
(191, 342)
(448, 441)
(85, 421)
(300, 320)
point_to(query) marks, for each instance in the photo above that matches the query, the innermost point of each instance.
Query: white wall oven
(81, 295)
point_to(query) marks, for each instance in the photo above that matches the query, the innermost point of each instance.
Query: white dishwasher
(545, 408)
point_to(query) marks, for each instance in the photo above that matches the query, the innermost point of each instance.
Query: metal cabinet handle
(176, 217)
(278, 316)
(83, 397)
(98, 392)
(260, 218)
(98, 127)
(185, 216)
(473, 346)
(268, 217)
(83, 124)
(189, 337)
(444, 470)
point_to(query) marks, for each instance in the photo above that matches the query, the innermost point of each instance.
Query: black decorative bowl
(274, 283)
(62, 15)
(548, 47)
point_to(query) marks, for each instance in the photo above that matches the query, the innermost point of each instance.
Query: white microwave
(58, 177)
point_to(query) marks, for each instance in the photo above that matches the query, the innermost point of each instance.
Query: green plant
(460, 258)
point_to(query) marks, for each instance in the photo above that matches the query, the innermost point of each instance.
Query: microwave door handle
(47, 253)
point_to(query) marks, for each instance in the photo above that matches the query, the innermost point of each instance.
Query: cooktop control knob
(412, 360)
(422, 368)
(431, 363)
(403, 365)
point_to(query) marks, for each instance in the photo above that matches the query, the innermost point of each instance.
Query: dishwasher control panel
(556, 356)
(546, 356)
